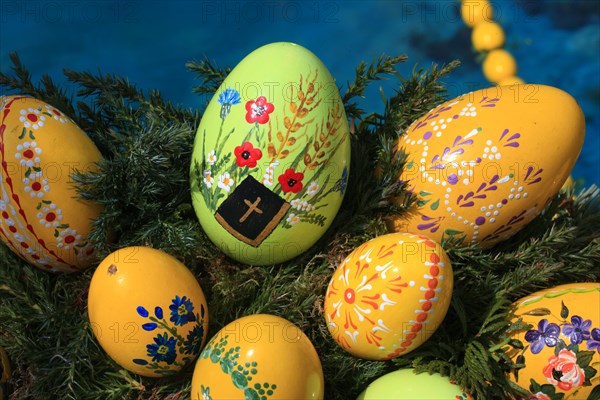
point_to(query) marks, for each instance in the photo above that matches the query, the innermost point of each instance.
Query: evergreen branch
(377, 71)
(210, 75)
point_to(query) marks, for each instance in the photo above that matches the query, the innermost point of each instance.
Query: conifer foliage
(143, 184)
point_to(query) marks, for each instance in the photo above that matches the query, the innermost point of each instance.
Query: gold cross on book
(252, 207)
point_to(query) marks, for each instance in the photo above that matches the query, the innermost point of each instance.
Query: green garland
(143, 184)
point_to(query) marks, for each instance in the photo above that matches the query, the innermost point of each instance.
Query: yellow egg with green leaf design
(271, 156)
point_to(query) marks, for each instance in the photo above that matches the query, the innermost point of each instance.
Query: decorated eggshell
(258, 357)
(271, 156)
(147, 311)
(562, 348)
(405, 384)
(40, 218)
(389, 296)
(486, 163)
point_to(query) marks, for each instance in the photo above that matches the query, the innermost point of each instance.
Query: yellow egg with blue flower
(271, 156)
(147, 311)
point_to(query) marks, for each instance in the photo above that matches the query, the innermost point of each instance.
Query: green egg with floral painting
(271, 156)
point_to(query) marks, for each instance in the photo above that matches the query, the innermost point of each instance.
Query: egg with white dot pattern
(486, 163)
(41, 218)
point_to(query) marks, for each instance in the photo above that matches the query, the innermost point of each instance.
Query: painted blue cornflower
(182, 311)
(163, 349)
(194, 339)
(545, 335)
(594, 341)
(578, 330)
(228, 98)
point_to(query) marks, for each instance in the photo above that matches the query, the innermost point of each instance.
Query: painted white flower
(225, 182)
(293, 219)
(67, 239)
(211, 158)
(301, 205)
(28, 154)
(50, 216)
(312, 188)
(57, 115)
(208, 179)
(36, 188)
(31, 118)
(270, 174)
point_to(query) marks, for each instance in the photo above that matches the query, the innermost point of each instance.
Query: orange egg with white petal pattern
(389, 296)
(41, 219)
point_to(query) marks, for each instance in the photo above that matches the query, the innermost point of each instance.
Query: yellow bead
(475, 11)
(499, 64)
(511, 80)
(487, 36)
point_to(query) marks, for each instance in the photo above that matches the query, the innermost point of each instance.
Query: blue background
(554, 42)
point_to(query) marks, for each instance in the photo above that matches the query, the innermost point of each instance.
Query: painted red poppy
(258, 110)
(291, 181)
(246, 155)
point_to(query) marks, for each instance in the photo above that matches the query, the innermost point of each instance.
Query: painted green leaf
(250, 394)
(239, 380)
(421, 203)
(538, 312)
(564, 311)
(226, 365)
(452, 232)
(435, 205)
(584, 358)
(595, 395)
(424, 193)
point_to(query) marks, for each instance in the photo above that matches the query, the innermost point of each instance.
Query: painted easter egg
(147, 311)
(40, 218)
(389, 296)
(405, 384)
(271, 156)
(562, 348)
(259, 356)
(486, 163)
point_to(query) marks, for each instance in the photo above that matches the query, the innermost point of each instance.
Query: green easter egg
(404, 384)
(271, 156)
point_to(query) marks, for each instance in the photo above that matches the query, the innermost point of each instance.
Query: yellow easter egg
(486, 163)
(499, 64)
(40, 218)
(487, 35)
(261, 357)
(474, 12)
(389, 296)
(511, 80)
(562, 348)
(271, 156)
(147, 311)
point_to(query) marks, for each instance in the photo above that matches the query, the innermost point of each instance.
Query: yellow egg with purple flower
(147, 311)
(271, 156)
(561, 353)
(486, 163)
